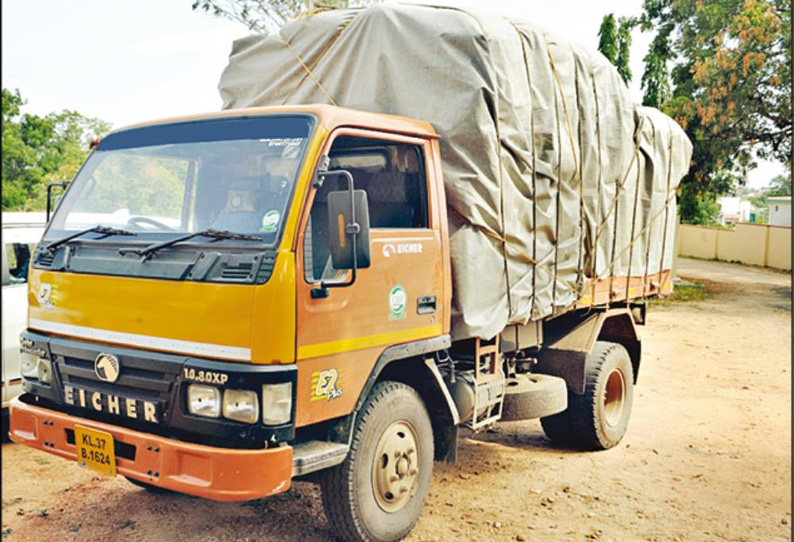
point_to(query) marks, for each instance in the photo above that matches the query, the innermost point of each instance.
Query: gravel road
(707, 456)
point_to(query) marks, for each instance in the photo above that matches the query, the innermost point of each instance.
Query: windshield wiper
(215, 234)
(104, 230)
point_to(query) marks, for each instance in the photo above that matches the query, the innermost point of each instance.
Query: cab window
(393, 176)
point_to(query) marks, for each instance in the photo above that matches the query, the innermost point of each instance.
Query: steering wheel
(138, 220)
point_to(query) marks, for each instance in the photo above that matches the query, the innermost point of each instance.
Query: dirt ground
(707, 456)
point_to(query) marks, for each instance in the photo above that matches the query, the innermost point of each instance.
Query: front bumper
(221, 474)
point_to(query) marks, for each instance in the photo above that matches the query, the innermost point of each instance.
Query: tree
(780, 185)
(267, 16)
(729, 86)
(39, 150)
(614, 42)
(624, 47)
(608, 38)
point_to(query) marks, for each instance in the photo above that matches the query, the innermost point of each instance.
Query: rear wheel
(377, 494)
(598, 418)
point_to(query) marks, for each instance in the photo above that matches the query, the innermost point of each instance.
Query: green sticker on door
(397, 302)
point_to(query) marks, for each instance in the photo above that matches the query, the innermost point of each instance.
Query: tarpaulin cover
(553, 175)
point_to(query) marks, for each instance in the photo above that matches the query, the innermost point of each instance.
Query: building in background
(779, 210)
(734, 209)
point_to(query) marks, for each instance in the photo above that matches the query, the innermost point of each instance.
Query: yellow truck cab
(222, 303)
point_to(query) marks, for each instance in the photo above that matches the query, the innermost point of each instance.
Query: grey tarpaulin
(553, 175)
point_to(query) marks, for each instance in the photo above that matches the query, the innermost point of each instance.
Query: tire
(362, 497)
(6, 425)
(558, 428)
(598, 418)
(155, 490)
(531, 396)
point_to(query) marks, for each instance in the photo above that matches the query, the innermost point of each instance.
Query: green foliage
(655, 81)
(729, 86)
(39, 150)
(614, 42)
(780, 185)
(682, 293)
(144, 185)
(267, 16)
(608, 38)
(624, 47)
(697, 206)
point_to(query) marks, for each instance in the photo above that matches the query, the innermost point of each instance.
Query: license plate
(95, 450)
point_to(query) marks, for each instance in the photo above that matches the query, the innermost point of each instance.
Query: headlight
(276, 403)
(241, 405)
(204, 401)
(28, 365)
(44, 370)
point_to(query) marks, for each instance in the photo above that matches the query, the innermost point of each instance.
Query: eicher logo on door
(390, 249)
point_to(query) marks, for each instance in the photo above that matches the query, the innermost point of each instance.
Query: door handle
(426, 304)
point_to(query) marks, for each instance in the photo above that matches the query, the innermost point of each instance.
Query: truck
(227, 302)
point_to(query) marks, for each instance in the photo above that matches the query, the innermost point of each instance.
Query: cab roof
(329, 116)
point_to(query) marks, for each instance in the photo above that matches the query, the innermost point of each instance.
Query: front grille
(241, 271)
(133, 382)
(144, 377)
(266, 266)
(45, 258)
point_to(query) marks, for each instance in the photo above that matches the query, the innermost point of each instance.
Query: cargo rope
(319, 57)
(308, 72)
(517, 250)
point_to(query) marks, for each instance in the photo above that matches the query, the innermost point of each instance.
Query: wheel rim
(614, 397)
(395, 467)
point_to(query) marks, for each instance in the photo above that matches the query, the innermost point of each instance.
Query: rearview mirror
(348, 227)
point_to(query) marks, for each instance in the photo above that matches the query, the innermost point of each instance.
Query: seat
(389, 203)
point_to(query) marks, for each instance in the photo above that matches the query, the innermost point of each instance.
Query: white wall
(755, 244)
(779, 213)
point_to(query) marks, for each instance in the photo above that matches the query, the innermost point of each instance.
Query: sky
(132, 61)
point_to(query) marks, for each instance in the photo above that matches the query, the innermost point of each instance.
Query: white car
(21, 233)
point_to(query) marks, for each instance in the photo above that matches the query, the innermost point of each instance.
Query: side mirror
(348, 229)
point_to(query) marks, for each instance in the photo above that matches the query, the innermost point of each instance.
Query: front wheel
(377, 493)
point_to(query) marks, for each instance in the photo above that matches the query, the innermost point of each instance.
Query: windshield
(163, 181)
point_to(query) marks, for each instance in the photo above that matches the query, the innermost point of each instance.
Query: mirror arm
(50, 186)
(353, 228)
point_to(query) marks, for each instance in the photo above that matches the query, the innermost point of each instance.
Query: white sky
(131, 61)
